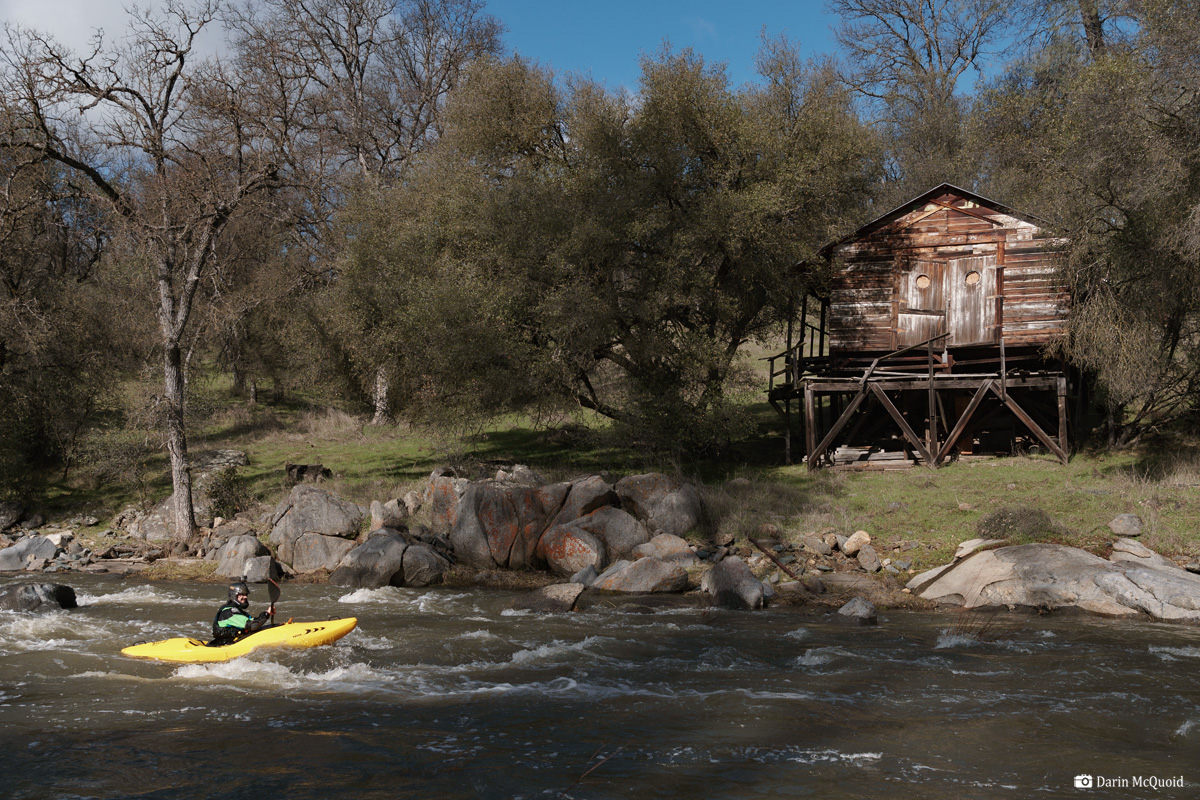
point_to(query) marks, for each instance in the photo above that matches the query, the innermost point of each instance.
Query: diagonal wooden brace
(952, 437)
(905, 428)
(817, 453)
(1029, 423)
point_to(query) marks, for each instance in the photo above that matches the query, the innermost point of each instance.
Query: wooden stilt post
(810, 423)
(931, 445)
(1062, 414)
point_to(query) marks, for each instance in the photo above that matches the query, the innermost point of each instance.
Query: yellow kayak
(292, 634)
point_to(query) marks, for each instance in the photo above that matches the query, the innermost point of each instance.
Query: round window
(923, 281)
(972, 278)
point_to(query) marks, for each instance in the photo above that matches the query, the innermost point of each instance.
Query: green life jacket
(230, 622)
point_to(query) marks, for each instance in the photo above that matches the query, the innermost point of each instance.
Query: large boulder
(585, 496)
(31, 548)
(644, 576)
(315, 551)
(236, 551)
(10, 514)
(1050, 576)
(733, 585)
(569, 548)
(308, 509)
(261, 569)
(388, 558)
(423, 565)
(619, 530)
(442, 496)
(37, 597)
(663, 503)
(377, 562)
(501, 527)
(155, 525)
(392, 514)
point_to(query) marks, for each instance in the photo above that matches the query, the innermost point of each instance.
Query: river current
(447, 694)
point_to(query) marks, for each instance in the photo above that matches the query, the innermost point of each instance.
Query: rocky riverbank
(573, 540)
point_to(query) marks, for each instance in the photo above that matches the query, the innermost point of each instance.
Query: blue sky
(607, 38)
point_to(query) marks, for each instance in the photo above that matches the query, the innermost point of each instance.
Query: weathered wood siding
(946, 262)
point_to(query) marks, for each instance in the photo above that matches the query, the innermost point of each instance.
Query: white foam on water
(138, 595)
(819, 657)
(422, 602)
(250, 675)
(362, 640)
(479, 634)
(800, 634)
(1175, 653)
(768, 755)
(54, 630)
(772, 695)
(382, 595)
(553, 651)
(1186, 727)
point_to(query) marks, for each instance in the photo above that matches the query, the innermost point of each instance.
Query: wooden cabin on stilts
(930, 340)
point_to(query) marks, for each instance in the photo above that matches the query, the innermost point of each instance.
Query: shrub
(1020, 525)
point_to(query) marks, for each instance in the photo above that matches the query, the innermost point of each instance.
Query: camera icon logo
(1083, 782)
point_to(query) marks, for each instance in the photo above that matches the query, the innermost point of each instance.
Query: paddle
(273, 593)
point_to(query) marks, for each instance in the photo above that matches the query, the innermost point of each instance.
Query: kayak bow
(292, 634)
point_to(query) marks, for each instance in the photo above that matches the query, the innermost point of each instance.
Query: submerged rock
(37, 597)
(858, 612)
(557, 598)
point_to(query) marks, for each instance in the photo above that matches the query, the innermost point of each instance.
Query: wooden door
(922, 311)
(971, 300)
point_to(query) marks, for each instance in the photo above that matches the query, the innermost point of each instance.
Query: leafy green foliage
(1103, 139)
(562, 245)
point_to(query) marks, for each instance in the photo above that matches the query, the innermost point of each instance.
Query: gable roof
(925, 199)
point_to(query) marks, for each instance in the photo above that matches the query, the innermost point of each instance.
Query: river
(447, 694)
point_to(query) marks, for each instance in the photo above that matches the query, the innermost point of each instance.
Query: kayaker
(233, 620)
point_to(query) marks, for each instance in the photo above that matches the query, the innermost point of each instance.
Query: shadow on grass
(1170, 460)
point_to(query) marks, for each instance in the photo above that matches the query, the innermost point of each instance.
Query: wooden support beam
(820, 449)
(1029, 423)
(1062, 414)
(961, 425)
(810, 422)
(931, 443)
(920, 382)
(905, 428)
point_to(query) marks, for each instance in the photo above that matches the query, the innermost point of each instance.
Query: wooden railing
(786, 368)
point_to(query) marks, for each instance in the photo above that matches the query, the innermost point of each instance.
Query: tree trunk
(181, 477)
(383, 415)
(1093, 25)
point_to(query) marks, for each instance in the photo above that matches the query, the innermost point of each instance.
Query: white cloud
(703, 30)
(74, 22)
